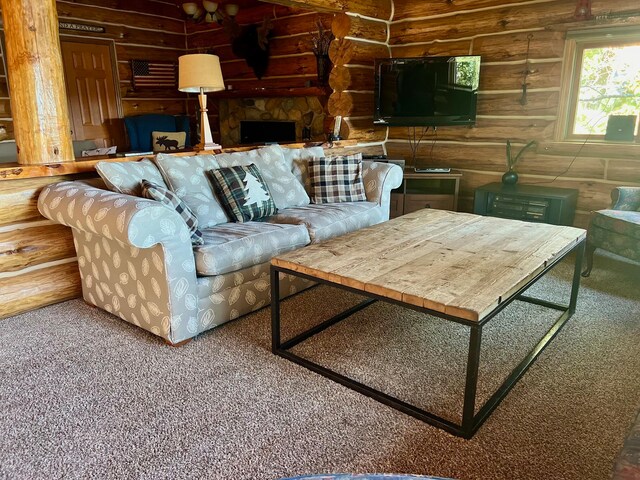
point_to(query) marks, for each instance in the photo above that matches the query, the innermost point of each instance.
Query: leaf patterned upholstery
(234, 246)
(136, 260)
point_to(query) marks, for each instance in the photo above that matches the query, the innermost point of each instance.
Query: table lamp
(200, 73)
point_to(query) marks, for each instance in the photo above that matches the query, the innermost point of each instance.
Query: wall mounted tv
(426, 91)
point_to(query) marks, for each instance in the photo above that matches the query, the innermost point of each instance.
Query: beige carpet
(83, 394)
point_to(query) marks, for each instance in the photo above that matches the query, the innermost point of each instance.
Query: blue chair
(140, 127)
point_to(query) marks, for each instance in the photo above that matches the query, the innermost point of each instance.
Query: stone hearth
(305, 111)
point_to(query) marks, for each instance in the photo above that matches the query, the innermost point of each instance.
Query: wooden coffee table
(457, 266)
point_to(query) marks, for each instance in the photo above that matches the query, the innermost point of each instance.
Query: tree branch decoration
(321, 39)
(511, 160)
(527, 71)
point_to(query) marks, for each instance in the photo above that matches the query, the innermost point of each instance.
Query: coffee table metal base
(471, 421)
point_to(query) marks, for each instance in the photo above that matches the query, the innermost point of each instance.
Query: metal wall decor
(526, 72)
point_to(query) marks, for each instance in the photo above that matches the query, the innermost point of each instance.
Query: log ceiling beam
(380, 9)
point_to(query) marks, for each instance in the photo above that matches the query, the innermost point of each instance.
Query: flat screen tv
(426, 91)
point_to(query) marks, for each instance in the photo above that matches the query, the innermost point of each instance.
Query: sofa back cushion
(243, 192)
(153, 191)
(125, 177)
(286, 190)
(297, 160)
(186, 177)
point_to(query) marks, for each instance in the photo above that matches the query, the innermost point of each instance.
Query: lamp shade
(199, 71)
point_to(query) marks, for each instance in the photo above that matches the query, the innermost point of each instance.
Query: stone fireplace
(307, 113)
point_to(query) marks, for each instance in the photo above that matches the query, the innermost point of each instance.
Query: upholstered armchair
(140, 127)
(617, 229)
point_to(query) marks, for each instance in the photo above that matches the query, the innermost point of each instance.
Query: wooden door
(93, 102)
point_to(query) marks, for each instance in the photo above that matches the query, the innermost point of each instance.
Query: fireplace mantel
(273, 92)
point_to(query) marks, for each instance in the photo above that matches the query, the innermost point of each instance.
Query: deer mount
(251, 43)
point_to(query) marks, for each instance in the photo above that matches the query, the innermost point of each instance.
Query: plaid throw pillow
(243, 192)
(169, 199)
(336, 179)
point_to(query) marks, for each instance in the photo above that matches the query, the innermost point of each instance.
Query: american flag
(153, 74)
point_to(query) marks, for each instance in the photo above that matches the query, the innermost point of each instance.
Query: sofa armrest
(146, 235)
(379, 179)
(130, 220)
(625, 198)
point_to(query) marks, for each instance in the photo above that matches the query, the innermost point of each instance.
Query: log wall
(292, 65)
(498, 31)
(143, 29)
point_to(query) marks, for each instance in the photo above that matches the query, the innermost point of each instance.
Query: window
(602, 78)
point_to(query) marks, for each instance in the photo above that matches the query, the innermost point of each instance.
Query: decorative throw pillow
(337, 179)
(243, 192)
(166, 141)
(169, 199)
(125, 177)
(285, 189)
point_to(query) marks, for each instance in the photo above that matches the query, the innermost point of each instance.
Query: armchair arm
(379, 179)
(625, 198)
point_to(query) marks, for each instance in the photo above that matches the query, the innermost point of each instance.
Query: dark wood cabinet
(527, 202)
(425, 190)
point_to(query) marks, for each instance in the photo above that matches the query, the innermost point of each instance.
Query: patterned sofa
(616, 229)
(135, 255)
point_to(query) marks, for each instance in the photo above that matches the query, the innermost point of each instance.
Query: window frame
(575, 44)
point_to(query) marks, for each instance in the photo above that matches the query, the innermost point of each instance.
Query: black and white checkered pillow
(243, 192)
(165, 196)
(336, 179)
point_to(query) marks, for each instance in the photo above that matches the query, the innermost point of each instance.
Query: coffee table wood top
(454, 263)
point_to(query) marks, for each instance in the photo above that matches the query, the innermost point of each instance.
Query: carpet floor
(86, 395)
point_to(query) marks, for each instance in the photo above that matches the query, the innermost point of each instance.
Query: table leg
(275, 309)
(471, 384)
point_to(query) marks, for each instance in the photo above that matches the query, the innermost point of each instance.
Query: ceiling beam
(380, 9)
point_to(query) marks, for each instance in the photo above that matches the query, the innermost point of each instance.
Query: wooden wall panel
(293, 65)
(36, 255)
(142, 29)
(29, 245)
(489, 130)
(459, 47)
(38, 288)
(499, 32)
(19, 198)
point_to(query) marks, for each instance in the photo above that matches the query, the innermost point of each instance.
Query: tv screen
(426, 91)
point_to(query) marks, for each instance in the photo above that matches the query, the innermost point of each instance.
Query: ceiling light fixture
(210, 11)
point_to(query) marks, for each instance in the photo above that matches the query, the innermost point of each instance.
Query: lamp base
(207, 146)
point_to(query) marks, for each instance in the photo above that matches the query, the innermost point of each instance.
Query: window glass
(609, 85)
(601, 85)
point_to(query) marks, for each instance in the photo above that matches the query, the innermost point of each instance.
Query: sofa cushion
(297, 160)
(337, 179)
(234, 246)
(285, 189)
(187, 178)
(329, 220)
(125, 177)
(243, 192)
(169, 199)
(619, 221)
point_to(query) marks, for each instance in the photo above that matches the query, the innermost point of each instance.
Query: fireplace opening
(263, 131)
